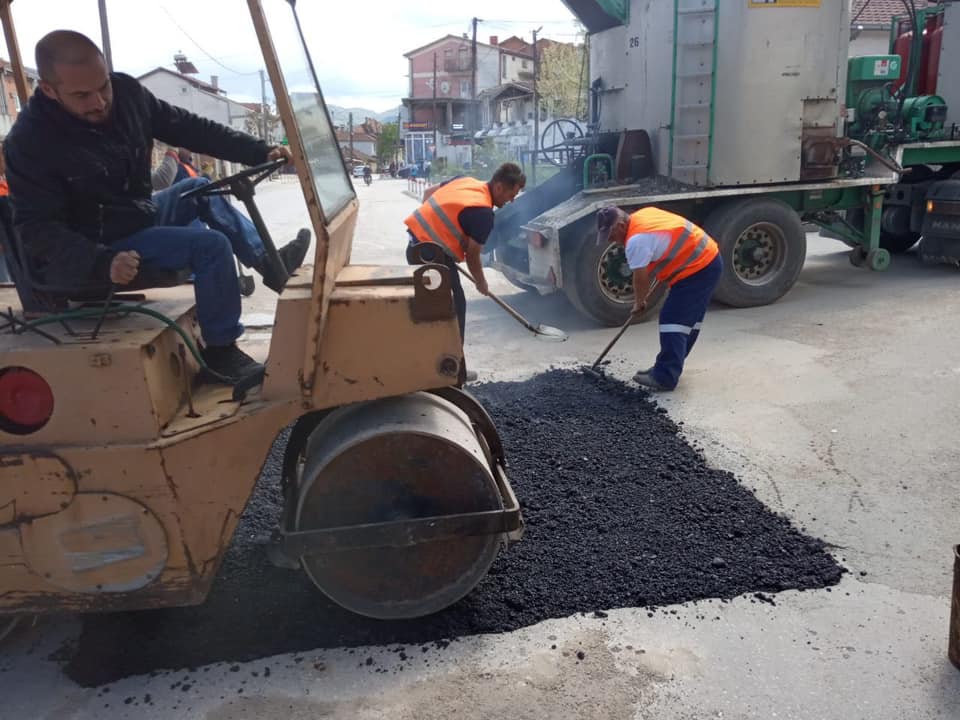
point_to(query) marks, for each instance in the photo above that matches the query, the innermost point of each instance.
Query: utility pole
(396, 149)
(263, 105)
(351, 139)
(105, 35)
(536, 109)
(434, 115)
(472, 125)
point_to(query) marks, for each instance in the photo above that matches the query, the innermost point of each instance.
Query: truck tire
(763, 247)
(599, 284)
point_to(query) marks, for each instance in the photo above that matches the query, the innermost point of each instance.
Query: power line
(235, 72)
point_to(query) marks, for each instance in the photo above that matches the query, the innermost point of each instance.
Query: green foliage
(388, 142)
(563, 81)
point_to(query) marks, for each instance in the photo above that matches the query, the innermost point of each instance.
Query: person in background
(4, 198)
(185, 168)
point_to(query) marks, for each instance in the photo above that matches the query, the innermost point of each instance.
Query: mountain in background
(341, 115)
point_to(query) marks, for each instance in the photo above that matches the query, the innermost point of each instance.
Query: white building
(200, 98)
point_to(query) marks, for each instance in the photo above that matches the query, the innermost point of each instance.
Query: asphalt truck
(749, 118)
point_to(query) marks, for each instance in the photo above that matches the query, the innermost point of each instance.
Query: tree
(562, 84)
(254, 122)
(387, 142)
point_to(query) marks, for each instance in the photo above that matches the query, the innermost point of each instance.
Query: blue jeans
(680, 321)
(178, 241)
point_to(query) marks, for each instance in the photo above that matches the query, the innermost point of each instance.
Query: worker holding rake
(661, 245)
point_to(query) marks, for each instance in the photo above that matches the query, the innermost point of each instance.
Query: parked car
(358, 170)
(406, 170)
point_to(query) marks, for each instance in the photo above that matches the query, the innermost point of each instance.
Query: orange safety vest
(690, 248)
(437, 220)
(190, 171)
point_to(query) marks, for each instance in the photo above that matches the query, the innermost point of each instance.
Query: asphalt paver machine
(122, 477)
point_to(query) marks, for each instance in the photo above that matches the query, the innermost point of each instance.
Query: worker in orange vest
(670, 248)
(185, 168)
(458, 216)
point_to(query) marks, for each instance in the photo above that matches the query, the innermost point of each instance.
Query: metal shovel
(544, 332)
(592, 370)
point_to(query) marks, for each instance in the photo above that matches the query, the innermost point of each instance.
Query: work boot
(291, 255)
(229, 363)
(645, 379)
(295, 251)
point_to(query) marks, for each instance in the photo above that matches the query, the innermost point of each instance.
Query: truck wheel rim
(759, 253)
(614, 276)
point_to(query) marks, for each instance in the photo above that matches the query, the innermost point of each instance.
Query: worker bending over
(458, 216)
(670, 248)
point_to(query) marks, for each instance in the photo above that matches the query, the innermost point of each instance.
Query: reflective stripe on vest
(673, 251)
(690, 248)
(437, 219)
(453, 227)
(694, 256)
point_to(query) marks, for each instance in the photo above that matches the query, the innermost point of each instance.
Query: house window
(524, 65)
(503, 66)
(464, 64)
(464, 88)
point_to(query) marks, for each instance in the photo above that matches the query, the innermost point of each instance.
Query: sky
(357, 47)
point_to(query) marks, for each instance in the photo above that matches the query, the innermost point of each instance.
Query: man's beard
(94, 118)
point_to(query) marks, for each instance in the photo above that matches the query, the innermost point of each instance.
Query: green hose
(83, 313)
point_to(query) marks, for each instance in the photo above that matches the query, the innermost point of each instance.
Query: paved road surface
(839, 404)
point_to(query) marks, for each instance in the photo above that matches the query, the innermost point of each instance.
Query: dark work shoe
(229, 363)
(295, 251)
(645, 379)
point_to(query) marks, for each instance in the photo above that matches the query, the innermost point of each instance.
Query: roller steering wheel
(231, 184)
(241, 186)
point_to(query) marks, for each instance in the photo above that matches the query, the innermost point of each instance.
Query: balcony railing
(456, 66)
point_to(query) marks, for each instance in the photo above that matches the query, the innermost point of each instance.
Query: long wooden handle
(623, 329)
(516, 316)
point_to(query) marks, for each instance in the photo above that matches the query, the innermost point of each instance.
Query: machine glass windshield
(333, 187)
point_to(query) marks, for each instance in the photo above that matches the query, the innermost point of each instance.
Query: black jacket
(77, 187)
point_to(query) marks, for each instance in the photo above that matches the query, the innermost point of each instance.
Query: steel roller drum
(394, 459)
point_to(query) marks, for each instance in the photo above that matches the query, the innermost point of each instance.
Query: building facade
(444, 116)
(206, 99)
(10, 104)
(450, 120)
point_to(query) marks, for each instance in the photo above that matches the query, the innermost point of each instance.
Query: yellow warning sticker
(783, 3)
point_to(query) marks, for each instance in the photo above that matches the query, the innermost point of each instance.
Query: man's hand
(124, 267)
(481, 283)
(640, 307)
(279, 151)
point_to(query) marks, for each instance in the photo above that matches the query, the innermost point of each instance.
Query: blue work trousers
(680, 321)
(202, 234)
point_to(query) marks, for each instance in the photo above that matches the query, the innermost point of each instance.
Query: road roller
(124, 471)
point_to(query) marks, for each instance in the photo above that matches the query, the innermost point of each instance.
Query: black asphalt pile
(655, 185)
(620, 512)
